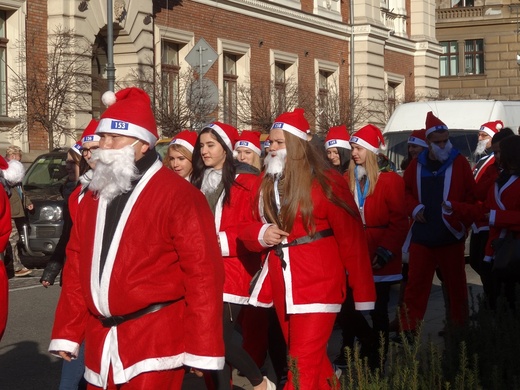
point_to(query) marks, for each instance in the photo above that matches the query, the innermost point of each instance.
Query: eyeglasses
(85, 151)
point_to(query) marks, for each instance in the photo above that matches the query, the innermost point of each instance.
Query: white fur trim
(91, 138)
(237, 299)
(363, 143)
(63, 345)
(15, 172)
(186, 144)
(222, 134)
(224, 245)
(247, 144)
(337, 143)
(417, 141)
(204, 362)
(364, 305)
(488, 131)
(115, 126)
(290, 129)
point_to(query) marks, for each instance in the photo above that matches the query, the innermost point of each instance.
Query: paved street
(26, 365)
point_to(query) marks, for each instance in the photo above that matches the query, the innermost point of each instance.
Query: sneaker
(23, 272)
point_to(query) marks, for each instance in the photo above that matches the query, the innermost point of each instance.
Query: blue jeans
(72, 372)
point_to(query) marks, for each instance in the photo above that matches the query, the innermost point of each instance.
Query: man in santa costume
(439, 196)
(143, 279)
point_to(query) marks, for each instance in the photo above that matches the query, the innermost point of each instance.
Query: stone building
(331, 57)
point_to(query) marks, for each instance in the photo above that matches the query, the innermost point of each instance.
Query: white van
(463, 118)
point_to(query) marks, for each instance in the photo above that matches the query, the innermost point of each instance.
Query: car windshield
(161, 148)
(463, 140)
(46, 171)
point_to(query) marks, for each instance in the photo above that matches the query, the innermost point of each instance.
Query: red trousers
(306, 335)
(422, 265)
(4, 298)
(167, 380)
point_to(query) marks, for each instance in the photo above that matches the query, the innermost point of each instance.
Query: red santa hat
(369, 137)
(129, 113)
(491, 128)
(227, 132)
(338, 137)
(249, 139)
(13, 170)
(185, 138)
(89, 134)
(293, 122)
(434, 124)
(418, 137)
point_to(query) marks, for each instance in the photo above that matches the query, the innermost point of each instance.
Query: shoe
(23, 272)
(270, 385)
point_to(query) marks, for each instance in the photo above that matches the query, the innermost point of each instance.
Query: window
(230, 89)
(474, 56)
(323, 96)
(449, 60)
(170, 77)
(3, 65)
(392, 97)
(462, 3)
(280, 87)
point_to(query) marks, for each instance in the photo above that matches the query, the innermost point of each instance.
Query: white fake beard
(115, 170)
(275, 164)
(360, 172)
(86, 178)
(440, 153)
(481, 147)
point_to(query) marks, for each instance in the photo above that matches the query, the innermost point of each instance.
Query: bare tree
(180, 101)
(53, 93)
(260, 102)
(334, 108)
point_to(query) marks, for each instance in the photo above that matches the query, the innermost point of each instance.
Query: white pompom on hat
(129, 113)
(13, 170)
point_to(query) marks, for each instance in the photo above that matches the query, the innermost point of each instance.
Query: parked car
(42, 184)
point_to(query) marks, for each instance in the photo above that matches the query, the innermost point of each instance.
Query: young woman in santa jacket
(306, 221)
(379, 197)
(228, 189)
(180, 153)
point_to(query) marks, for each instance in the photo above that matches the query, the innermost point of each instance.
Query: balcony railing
(458, 13)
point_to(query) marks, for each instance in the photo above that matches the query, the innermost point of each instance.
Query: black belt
(109, 322)
(375, 227)
(299, 241)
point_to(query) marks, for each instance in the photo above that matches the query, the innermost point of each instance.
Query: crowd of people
(162, 261)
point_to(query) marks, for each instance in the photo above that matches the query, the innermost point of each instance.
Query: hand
(45, 283)
(197, 372)
(273, 235)
(447, 208)
(30, 207)
(419, 217)
(65, 355)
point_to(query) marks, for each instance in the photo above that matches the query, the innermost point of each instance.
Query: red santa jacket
(386, 223)
(164, 249)
(240, 264)
(5, 232)
(485, 174)
(458, 193)
(314, 276)
(504, 215)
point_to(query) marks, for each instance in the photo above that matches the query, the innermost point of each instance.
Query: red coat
(164, 249)
(386, 223)
(240, 264)
(485, 176)
(504, 215)
(315, 277)
(459, 192)
(5, 232)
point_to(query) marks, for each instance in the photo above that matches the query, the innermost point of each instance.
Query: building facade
(238, 61)
(480, 56)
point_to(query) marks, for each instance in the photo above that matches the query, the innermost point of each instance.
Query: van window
(463, 140)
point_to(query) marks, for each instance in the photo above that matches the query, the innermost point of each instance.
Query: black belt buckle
(109, 322)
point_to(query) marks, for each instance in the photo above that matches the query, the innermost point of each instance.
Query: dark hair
(228, 170)
(510, 153)
(344, 159)
(504, 133)
(83, 166)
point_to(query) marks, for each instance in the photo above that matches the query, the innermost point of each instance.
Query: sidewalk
(433, 322)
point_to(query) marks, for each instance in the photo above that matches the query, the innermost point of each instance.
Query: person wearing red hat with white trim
(180, 153)
(308, 224)
(416, 144)
(338, 147)
(379, 198)
(440, 199)
(5, 231)
(247, 149)
(229, 191)
(146, 302)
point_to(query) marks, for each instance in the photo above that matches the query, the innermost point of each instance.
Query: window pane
(3, 84)
(170, 54)
(230, 64)
(454, 65)
(279, 72)
(2, 24)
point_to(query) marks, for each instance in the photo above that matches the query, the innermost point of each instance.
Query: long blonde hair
(372, 170)
(304, 166)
